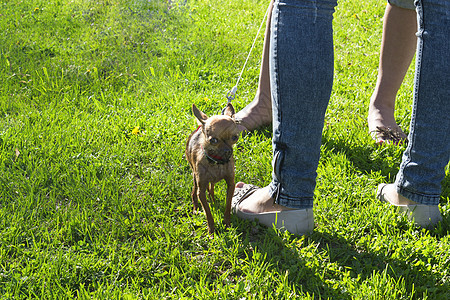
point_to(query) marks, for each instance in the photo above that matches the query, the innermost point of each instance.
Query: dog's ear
(201, 117)
(229, 111)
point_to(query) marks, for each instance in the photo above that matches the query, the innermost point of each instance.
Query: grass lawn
(95, 101)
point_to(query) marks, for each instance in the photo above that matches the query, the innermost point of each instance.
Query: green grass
(90, 210)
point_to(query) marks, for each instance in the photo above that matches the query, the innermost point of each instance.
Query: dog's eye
(213, 141)
(234, 138)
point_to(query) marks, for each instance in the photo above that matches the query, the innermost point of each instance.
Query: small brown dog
(209, 151)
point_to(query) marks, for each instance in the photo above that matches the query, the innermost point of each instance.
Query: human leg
(302, 76)
(301, 69)
(397, 51)
(259, 112)
(423, 163)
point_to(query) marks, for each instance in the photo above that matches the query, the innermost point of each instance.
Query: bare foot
(256, 114)
(382, 124)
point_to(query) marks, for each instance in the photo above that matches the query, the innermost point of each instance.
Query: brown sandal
(389, 135)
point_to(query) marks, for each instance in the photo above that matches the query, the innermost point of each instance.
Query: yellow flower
(135, 130)
(37, 8)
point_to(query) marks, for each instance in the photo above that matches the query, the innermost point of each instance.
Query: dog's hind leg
(201, 193)
(194, 196)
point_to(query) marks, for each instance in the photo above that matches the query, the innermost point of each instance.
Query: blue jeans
(301, 75)
(301, 70)
(423, 163)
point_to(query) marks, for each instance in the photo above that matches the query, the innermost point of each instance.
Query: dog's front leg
(201, 193)
(211, 192)
(230, 192)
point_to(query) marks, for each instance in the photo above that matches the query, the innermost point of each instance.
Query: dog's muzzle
(222, 158)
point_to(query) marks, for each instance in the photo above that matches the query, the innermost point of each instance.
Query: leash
(232, 93)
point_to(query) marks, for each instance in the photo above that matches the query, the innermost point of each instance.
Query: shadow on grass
(286, 260)
(374, 158)
(366, 158)
(265, 131)
(344, 260)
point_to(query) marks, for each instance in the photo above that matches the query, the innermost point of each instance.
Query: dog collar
(215, 159)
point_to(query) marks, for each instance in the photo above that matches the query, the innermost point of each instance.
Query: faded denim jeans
(301, 70)
(423, 163)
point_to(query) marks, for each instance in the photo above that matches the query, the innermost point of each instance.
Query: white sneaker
(296, 221)
(425, 216)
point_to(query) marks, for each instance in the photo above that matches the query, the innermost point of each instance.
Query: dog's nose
(227, 153)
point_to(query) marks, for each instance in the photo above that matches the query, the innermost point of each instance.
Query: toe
(240, 185)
